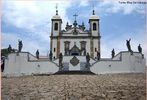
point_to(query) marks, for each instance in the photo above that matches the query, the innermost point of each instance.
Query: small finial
(56, 9)
(93, 12)
(93, 9)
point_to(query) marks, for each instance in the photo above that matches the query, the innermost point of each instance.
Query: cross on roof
(93, 9)
(75, 15)
(56, 9)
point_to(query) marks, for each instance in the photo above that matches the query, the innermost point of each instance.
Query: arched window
(94, 26)
(56, 26)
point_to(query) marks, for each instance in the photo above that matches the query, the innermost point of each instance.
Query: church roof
(56, 17)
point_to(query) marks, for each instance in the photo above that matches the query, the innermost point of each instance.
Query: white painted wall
(56, 32)
(26, 64)
(122, 63)
(21, 65)
(94, 32)
(54, 46)
(95, 45)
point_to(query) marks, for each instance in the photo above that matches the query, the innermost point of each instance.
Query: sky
(30, 21)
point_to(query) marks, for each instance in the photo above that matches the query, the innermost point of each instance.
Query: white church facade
(75, 40)
(80, 50)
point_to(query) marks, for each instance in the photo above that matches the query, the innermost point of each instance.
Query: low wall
(24, 63)
(124, 62)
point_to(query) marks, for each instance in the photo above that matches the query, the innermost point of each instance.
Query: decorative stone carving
(75, 50)
(9, 49)
(113, 53)
(50, 55)
(68, 26)
(66, 47)
(37, 54)
(60, 59)
(74, 61)
(140, 49)
(87, 58)
(82, 26)
(20, 45)
(98, 55)
(129, 46)
(83, 45)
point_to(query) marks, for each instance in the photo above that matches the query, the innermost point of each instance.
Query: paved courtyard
(75, 87)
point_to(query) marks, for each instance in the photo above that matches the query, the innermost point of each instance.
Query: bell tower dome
(94, 24)
(56, 24)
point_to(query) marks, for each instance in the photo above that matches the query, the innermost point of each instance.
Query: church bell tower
(55, 34)
(94, 35)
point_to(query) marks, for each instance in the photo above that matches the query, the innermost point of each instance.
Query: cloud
(84, 3)
(30, 14)
(35, 18)
(115, 6)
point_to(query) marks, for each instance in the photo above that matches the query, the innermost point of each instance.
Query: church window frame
(56, 26)
(66, 46)
(94, 26)
(83, 45)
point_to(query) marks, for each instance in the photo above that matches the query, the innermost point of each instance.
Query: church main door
(75, 51)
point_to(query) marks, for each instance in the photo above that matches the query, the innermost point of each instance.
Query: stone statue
(68, 26)
(20, 45)
(60, 59)
(82, 26)
(9, 49)
(51, 55)
(139, 49)
(113, 53)
(87, 58)
(37, 54)
(98, 55)
(128, 45)
(84, 52)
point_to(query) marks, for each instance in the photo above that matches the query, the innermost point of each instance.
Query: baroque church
(75, 40)
(74, 49)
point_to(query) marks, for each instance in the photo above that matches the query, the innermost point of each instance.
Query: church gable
(72, 31)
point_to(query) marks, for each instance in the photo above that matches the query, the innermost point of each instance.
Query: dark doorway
(75, 54)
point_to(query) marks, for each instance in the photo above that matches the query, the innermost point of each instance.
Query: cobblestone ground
(75, 87)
